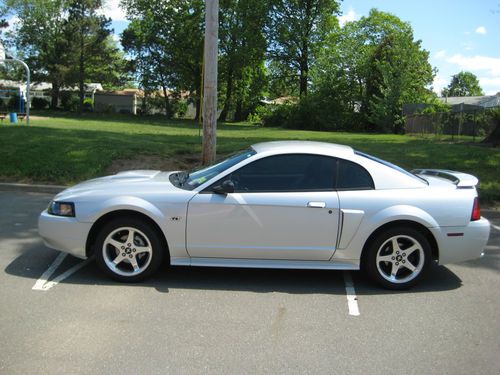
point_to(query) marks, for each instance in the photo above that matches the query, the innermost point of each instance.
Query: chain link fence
(468, 124)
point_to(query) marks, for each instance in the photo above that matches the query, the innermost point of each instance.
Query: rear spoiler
(462, 180)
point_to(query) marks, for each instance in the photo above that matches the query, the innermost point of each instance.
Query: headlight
(61, 209)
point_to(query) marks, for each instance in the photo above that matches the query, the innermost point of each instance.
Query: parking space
(208, 320)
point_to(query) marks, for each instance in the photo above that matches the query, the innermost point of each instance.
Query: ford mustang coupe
(289, 204)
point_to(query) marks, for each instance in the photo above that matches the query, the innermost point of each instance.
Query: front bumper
(454, 247)
(64, 233)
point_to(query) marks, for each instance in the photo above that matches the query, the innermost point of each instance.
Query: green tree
(463, 84)
(66, 42)
(297, 32)
(165, 40)
(90, 43)
(242, 45)
(108, 67)
(375, 66)
(41, 39)
(400, 74)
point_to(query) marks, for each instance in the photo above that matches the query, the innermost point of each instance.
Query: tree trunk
(81, 75)
(54, 96)
(197, 104)
(229, 94)
(165, 101)
(304, 63)
(238, 113)
(303, 83)
(304, 70)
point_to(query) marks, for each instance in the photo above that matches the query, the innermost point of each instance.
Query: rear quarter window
(352, 176)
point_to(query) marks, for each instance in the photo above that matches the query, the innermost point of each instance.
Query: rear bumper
(457, 244)
(64, 233)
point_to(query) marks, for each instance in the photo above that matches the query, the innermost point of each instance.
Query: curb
(53, 189)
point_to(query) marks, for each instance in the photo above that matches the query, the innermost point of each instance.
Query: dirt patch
(38, 117)
(155, 162)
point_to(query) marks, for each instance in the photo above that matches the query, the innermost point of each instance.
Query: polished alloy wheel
(127, 251)
(400, 259)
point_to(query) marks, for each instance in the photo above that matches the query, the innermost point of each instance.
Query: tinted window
(193, 179)
(294, 172)
(351, 176)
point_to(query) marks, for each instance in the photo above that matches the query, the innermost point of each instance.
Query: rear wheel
(128, 250)
(398, 258)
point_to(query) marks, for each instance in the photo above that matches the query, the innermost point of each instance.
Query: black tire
(398, 250)
(135, 259)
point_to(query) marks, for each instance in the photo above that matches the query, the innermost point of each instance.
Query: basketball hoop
(17, 61)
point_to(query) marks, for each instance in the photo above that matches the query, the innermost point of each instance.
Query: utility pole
(210, 81)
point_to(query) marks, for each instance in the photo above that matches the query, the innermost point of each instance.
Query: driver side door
(283, 207)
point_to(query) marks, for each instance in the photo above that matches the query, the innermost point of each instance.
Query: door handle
(316, 204)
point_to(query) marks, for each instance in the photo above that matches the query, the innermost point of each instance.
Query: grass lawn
(67, 149)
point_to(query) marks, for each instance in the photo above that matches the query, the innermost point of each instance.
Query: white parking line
(43, 284)
(352, 299)
(491, 247)
(495, 226)
(45, 276)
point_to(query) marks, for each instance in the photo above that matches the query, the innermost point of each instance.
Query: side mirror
(226, 187)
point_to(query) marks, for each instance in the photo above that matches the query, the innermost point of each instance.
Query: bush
(314, 112)
(175, 107)
(259, 113)
(88, 105)
(39, 103)
(69, 101)
(13, 103)
(109, 109)
(276, 115)
(181, 107)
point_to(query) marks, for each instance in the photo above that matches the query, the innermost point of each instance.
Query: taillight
(476, 210)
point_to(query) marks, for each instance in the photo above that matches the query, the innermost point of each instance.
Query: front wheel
(398, 258)
(128, 250)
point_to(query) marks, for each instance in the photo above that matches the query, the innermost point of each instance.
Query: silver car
(291, 204)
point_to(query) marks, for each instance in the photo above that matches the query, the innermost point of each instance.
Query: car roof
(302, 147)
(384, 176)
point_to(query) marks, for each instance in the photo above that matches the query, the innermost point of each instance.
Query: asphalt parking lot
(72, 319)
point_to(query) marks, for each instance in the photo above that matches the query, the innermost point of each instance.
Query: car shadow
(35, 258)
(437, 279)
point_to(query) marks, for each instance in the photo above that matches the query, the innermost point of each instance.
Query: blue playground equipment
(13, 117)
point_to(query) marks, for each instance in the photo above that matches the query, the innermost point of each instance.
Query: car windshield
(193, 179)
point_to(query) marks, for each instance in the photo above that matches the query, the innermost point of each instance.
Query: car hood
(123, 183)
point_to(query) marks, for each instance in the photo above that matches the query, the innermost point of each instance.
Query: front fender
(121, 203)
(171, 214)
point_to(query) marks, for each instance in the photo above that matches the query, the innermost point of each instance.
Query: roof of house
(45, 86)
(281, 100)
(487, 101)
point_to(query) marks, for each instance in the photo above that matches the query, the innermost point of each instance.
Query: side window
(291, 172)
(351, 176)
